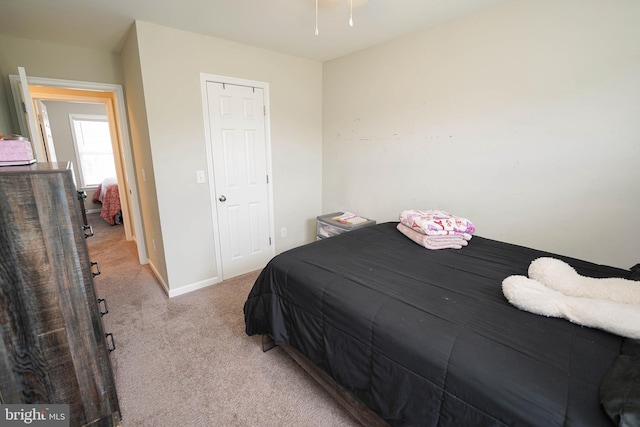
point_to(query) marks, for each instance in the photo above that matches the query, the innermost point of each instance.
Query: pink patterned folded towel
(434, 242)
(437, 222)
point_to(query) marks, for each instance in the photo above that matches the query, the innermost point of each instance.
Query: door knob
(222, 198)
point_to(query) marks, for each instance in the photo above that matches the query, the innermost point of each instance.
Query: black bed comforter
(426, 338)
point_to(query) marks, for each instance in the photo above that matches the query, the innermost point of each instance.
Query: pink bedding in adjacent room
(107, 194)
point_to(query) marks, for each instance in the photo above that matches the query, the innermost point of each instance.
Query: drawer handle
(90, 233)
(97, 272)
(113, 342)
(106, 307)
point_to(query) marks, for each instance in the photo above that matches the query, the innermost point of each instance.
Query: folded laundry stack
(436, 229)
(15, 150)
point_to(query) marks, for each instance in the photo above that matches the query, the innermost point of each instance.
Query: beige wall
(522, 118)
(43, 59)
(141, 147)
(6, 125)
(170, 63)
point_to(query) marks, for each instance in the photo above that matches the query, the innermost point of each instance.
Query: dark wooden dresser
(53, 348)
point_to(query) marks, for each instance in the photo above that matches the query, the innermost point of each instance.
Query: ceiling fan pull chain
(316, 17)
(351, 13)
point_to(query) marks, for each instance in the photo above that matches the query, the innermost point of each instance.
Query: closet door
(237, 125)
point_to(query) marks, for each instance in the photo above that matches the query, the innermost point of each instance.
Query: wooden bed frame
(347, 400)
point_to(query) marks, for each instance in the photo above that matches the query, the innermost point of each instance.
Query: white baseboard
(193, 287)
(183, 289)
(159, 277)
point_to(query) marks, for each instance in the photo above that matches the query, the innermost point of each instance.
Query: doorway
(239, 163)
(112, 97)
(80, 132)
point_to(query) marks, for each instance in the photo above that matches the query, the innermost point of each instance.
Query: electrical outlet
(144, 175)
(153, 243)
(200, 177)
(283, 232)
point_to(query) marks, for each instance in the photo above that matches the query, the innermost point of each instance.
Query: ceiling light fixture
(350, 15)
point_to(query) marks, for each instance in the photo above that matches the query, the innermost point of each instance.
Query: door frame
(112, 96)
(214, 78)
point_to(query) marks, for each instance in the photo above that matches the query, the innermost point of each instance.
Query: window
(93, 149)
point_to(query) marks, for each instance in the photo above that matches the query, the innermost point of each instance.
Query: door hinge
(269, 240)
(264, 109)
(267, 179)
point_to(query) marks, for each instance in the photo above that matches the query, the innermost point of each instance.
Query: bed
(426, 337)
(108, 195)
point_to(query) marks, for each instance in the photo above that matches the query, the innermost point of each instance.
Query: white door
(45, 126)
(238, 139)
(30, 118)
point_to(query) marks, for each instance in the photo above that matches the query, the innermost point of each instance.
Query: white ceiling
(286, 26)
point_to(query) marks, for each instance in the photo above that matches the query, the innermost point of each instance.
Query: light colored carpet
(186, 361)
